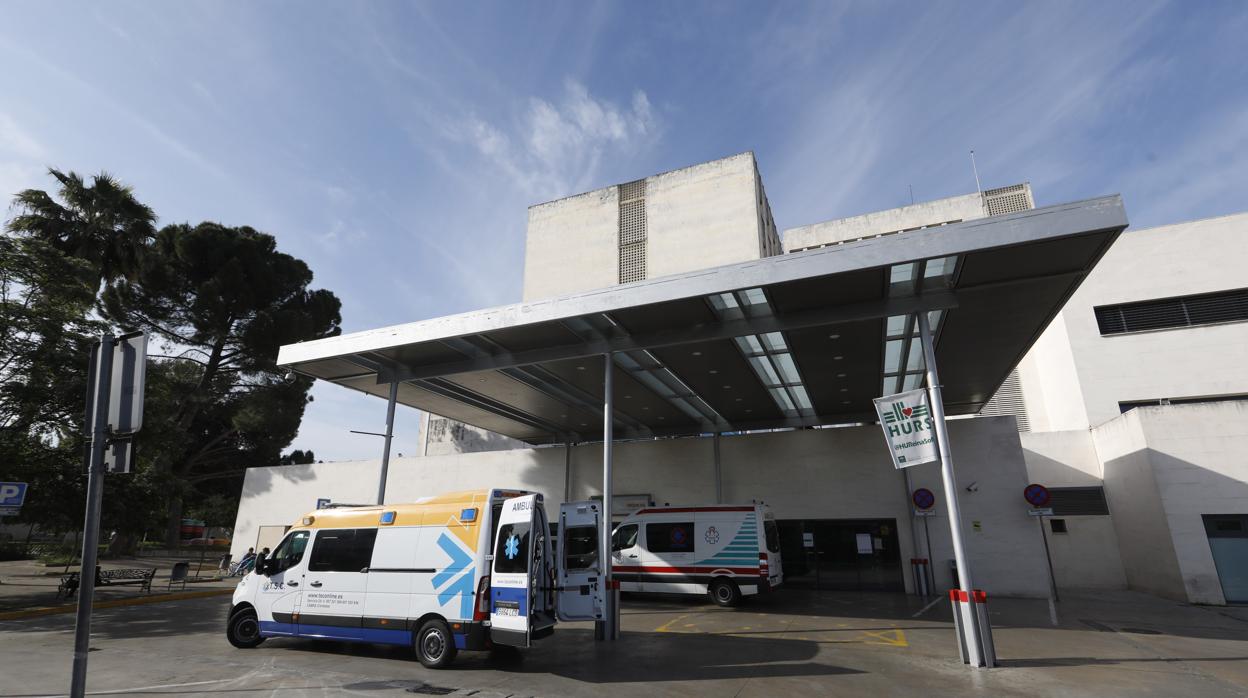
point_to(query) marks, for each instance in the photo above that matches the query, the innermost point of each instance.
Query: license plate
(506, 608)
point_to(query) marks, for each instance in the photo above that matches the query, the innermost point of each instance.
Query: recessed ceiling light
(738, 399)
(844, 402)
(662, 418)
(840, 375)
(584, 424)
(748, 411)
(580, 368)
(563, 416)
(834, 336)
(844, 390)
(696, 353)
(645, 408)
(712, 371)
(837, 358)
(727, 387)
(628, 397)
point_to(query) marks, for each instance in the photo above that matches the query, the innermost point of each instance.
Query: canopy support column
(385, 452)
(611, 597)
(971, 625)
(719, 477)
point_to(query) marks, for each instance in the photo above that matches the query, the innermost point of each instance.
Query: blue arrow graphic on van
(462, 586)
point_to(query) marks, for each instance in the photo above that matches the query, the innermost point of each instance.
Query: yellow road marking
(897, 639)
(115, 603)
(666, 627)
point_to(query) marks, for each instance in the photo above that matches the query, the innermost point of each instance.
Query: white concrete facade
(707, 215)
(841, 473)
(1074, 378)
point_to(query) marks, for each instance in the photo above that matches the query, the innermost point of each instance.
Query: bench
(140, 576)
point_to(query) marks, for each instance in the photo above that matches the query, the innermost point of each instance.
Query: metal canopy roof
(794, 340)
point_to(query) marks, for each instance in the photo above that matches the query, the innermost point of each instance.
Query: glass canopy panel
(766, 373)
(892, 355)
(754, 296)
(781, 396)
(896, 325)
(901, 280)
(749, 345)
(774, 341)
(913, 381)
(938, 272)
(786, 368)
(914, 359)
(891, 384)
(801, 398)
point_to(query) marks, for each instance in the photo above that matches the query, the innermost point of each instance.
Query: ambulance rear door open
(579, 575)
(517, 569)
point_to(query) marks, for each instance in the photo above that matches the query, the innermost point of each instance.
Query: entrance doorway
(1228, 541)
(842, 554)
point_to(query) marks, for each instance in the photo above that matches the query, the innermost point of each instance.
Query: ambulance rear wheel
(435, 646)
(243, 629)
(724, 592)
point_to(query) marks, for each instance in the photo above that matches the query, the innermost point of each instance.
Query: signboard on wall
(625, 504)
(906, 419)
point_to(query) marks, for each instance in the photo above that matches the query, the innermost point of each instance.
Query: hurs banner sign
(907, 422)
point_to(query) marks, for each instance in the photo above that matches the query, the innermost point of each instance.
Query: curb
(114, 603)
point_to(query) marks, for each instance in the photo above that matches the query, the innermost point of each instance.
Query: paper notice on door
(864, 544)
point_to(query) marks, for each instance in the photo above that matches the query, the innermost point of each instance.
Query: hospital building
(1105, 362)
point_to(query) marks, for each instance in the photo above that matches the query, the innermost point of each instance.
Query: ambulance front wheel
(724, 592)
(435, 646)
(243, 629)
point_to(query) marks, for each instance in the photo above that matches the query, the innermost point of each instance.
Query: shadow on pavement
(637, 658)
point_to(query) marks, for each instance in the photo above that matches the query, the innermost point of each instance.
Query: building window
(1078, 501)
(1127, 406)
(347, 550)
(1057, 525)
(1170, 313)
(670, 537)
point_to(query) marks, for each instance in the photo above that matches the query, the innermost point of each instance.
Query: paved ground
(792, 643)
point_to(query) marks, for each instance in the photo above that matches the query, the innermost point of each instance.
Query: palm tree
(101, 223)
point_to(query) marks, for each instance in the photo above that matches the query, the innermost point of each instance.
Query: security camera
(973, 487)
(290, 376)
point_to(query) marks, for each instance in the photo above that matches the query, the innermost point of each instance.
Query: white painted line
(928, 607)
(139, 688)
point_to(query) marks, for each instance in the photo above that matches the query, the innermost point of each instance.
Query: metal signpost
(924, 499)
(1038, 497)
(914, 427)
(114, 414)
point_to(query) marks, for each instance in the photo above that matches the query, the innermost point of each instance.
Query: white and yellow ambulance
(468, 570)
(724, 550)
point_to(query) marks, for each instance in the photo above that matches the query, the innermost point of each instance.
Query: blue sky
(395, 146)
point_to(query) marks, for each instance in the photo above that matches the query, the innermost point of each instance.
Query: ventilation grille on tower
(632, 241)
(1008, 401)
(1011, 199)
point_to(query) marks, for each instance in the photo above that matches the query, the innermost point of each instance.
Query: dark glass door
(844, 554)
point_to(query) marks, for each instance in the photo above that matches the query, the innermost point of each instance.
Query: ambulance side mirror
(262, 564)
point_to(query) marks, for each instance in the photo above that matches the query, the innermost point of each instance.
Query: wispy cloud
(556, 148)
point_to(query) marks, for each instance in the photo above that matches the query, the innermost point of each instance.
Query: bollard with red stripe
(979, 599)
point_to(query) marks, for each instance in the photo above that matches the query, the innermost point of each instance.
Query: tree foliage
(217, 302)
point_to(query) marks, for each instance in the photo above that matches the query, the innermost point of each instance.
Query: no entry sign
(923, 498)
(1036, 495)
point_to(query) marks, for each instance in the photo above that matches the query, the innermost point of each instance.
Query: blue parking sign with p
(12, 494)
